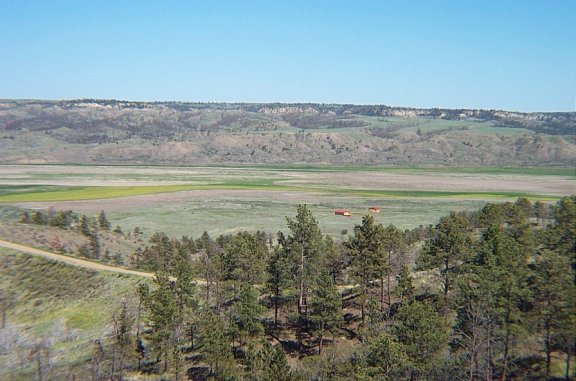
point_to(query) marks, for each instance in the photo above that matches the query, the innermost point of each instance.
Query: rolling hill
(120, 132)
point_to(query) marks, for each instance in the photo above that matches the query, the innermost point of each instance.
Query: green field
(224, 199)
(62, 193)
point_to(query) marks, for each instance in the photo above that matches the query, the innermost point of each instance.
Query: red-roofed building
(343, 212)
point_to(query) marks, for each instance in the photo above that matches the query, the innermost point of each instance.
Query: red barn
(343, 212)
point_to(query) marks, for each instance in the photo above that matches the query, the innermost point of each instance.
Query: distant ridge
(116, 131)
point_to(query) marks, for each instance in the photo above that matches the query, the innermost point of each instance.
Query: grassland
(224, 199)
(62, 193)
(62, 307)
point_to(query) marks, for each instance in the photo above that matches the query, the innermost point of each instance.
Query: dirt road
(72, 261)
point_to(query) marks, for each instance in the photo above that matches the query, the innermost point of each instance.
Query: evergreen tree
(244, 258)
(404, 287)
(423, 334)
(277, 278)
(525, 206)
(386, 359)
(554, 298)
(333, 260)
(394, 247)
(26, 219)
(103, 222)
(40, 218)
(477, 322)
(502, 260)
(95, 249)
(84, 251)
(267, 364)
(85, 226)
(326, 309)
(449, 249)
(304, 245)
(374, 324)
(118, 230)
(368, 258)
(216, 349)
(123, 340)
(246, 312)
(169, 304)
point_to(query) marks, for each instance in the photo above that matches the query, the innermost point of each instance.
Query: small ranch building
(343, 212)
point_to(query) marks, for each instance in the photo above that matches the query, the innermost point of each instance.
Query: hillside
(120, 132)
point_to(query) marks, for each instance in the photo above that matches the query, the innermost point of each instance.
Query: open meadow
(228, 199)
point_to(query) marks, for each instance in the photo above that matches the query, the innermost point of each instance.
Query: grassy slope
(62, 305)
(217, 136)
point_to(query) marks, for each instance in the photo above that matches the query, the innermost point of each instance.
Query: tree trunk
(3, 317)
(446, 281)
(321, 338)
(490, 361)
(276, 297)
(362, 303)
(547, 346)
(166, 365)
(567, 373)
(113, 364)
(382, 294)
(301, 298)
(388, 271)
(506, 347)
(39, 372)
(192, 332)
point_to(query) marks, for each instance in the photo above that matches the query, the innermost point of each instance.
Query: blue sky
(493, 54)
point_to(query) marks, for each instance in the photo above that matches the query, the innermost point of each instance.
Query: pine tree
(95, 248)
(277, 279)
(244, 258)
(386, 359)
(26, 219)
(404, 287)
(216, 349)
(123, 341)
(368, 258)
(332, 260)
(503, 270)
(246, 312)
(85, 226)
(552, 285)
(267, 364)
(118, 230)
(275, 365)
(168, 305)
(304, 245)
(449, 249)
(103, 222)
(423, 334)
(40, 218)
(326, 308)
(395, 247)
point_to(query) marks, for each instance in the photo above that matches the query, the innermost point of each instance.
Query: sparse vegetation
(113, 132)
(486, 276)
(443, 284)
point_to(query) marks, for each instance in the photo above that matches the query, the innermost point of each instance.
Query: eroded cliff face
(106, 131)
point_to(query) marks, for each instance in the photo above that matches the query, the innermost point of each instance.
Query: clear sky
(493, 54)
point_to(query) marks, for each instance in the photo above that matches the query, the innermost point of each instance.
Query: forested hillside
(483, 295)
(114, 132)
